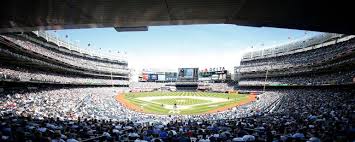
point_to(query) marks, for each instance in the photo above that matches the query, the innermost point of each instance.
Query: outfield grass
(180, 101)
(187, 102)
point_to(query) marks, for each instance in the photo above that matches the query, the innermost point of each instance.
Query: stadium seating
(324, 63)
(91, 114)
(27, 58)
(43, 77)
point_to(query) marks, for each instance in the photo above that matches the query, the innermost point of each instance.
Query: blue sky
(169, 47)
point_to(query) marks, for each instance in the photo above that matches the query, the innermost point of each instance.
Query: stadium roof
(29, 15)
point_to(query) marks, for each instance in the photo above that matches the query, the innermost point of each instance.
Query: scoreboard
(171, 76)
(188, 74)
(214, 74)
(152, 77)
(157, 76)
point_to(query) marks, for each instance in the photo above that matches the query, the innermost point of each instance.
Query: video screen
(189, 73)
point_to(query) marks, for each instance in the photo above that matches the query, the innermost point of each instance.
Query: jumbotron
(53, 90)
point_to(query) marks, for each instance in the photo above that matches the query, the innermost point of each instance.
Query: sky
(166, 48)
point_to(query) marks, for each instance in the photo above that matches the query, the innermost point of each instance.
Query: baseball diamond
(170, 103)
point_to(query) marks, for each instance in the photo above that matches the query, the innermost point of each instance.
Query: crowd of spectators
(321, 64)
(335, 78)
(82, 71)
(299, 60)
(84, 114)
(45, 77)
(292, 46)
(67, 59)
(43, 64)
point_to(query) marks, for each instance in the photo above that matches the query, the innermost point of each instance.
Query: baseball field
(170, 103)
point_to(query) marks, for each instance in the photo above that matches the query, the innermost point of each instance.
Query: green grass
(192, 105)
(181, 101)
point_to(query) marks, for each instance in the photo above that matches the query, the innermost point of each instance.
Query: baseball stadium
(177, 71)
